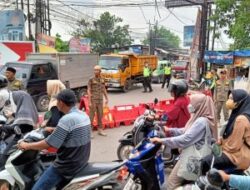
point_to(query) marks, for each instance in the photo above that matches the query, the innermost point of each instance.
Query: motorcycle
(142, 127)
(143, 170)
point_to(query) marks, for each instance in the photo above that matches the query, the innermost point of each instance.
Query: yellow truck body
(123, 70)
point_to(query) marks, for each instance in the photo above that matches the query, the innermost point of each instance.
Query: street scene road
(104, 148)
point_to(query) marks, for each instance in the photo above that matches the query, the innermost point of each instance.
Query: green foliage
(105, 33)
(163, 37)
(234, 15)
(61, 46)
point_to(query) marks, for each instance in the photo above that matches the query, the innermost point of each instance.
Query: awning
(242, 53)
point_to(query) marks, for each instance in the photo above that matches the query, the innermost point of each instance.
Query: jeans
(49, 179)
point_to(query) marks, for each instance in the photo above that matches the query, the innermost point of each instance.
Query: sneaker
(144, 91)
(151, 91)
(101, 133)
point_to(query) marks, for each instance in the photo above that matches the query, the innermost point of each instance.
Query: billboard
(79, 45)
(46, 40)
(12, 27)
(15, 51)
(183, 3)
(188, 35)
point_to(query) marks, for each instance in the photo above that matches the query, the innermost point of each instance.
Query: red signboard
(15, 50)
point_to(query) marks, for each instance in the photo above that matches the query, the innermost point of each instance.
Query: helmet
(179, 87)
(3, 81)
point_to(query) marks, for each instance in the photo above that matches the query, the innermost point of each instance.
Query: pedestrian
(96, 91)
(147, 77)
(72, 139)
(223, 87)
(13, 83)
(167, 75)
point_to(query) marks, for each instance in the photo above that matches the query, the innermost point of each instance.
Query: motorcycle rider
(25, 118)
(178, 115)
(54, 87)
(72, 139)
(235, 140)
(192, 135)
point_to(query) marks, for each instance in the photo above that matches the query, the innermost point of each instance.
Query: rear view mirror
(156, 101)
(216, 150)
(24, 75)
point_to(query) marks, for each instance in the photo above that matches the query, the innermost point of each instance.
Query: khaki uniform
(221, 96)
(15, 85)
(96, 86)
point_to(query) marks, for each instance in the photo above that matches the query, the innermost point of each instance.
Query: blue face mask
(191, 109)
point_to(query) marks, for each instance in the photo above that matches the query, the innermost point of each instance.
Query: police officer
(167, 75)
(222, 89)
(147, 78)
(13, 83)
(96, 91)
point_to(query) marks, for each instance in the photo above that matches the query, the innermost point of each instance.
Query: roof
(35, 62)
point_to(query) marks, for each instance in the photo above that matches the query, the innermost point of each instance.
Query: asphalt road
(104, 148)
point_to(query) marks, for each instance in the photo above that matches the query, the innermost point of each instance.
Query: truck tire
(42, 103)
(127, 86)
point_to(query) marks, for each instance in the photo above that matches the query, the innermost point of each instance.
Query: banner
(219, 57)
(80, 45)
(12, 25)
(242, 61)
(188, 35)
(46, 40)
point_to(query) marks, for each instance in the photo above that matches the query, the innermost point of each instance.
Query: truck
(123, 70)
(73, 69)
(181, 68)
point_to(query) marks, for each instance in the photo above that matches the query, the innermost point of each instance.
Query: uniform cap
(11, 69)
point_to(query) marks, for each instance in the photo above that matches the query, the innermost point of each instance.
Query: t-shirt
(72, 139)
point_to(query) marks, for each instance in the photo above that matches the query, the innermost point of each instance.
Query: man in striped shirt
(72, 139)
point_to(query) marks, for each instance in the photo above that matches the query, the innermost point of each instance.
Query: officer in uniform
(167, 75)
(96, 91)
(13, 83)
(221, 95)
(147, 78)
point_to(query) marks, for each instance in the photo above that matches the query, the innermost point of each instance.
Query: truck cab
(34, 75)
(181, 68)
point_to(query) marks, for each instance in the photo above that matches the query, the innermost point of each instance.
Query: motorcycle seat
(99, 168)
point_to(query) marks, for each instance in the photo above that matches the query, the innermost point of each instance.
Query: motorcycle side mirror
(216, 150)
(147, 106)
(17, 130)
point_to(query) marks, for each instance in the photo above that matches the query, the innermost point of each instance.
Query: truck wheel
(42, 103)
(127, 86)
(81, 93)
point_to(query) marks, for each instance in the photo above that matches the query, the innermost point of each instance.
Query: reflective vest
(146, 72)
(167, 70)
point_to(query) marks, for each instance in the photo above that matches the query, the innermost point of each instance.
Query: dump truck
(123, 70)
(73, 69)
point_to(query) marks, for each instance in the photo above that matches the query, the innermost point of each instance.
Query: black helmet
(3, 81)
(179, 87)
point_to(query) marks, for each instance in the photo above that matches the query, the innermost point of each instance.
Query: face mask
(230, 104)
(191, 108)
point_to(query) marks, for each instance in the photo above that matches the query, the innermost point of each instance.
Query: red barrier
(125, 114)
(84, 103)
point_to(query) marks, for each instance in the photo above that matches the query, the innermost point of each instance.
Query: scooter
(143, 170)
(142, 127)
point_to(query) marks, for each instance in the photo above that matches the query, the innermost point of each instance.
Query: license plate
(129, 184)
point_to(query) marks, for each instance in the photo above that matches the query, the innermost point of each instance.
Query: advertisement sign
(15, 51)
(219, 57)
(79, 45)
(12, 27)
(188, 35)
(46, 40)
(242, 61)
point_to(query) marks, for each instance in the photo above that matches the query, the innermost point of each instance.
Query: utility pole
(28, 15)
(49, 23)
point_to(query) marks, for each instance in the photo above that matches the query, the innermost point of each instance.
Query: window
(40, 72)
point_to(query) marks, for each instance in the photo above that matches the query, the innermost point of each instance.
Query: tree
(61, 45)
(233, 15)
(105, 33)
(163, 38)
